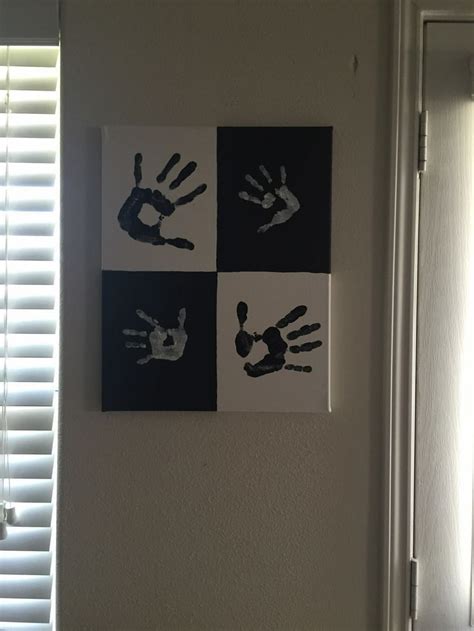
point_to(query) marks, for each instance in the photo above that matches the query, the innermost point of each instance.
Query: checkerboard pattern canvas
(216, 268)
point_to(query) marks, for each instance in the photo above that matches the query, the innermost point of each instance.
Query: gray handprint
(270, 193)
(165, 343)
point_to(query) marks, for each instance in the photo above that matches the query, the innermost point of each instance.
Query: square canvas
(159, 340)
(216, 246)
(274, 199)
(175, 229)
(272, 339)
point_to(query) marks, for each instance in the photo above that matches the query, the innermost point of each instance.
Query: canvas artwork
(216, 268)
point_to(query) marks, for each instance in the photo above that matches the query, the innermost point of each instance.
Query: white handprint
(279, 191)
(165, 344)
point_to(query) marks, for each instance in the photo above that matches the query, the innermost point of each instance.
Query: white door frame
(409, 19)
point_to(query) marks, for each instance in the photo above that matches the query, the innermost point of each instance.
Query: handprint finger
(251, 180)
(283, 174)
(182, 317)
(306, 347)
(141, 314)
(243, 343)
(268, 200)
(186, 199)
(175, 158)
(242, 312)
(144, 360)
(137, 168)
(183, 174)
(298, 368)
(134, 332)
(292, 316)
(250, 198)
(135, 345)
(304, 330)
(265, 173)
(178, 242)
(265, 366)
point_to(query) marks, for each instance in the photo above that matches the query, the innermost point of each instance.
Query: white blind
(28, 237)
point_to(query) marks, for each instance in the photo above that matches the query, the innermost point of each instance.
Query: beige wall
(226, 521)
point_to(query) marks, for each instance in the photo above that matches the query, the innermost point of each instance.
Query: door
(445, 335)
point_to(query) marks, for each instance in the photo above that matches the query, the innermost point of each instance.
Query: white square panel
(269, 298)
(194, 221)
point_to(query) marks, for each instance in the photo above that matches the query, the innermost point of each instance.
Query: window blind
(28, 325)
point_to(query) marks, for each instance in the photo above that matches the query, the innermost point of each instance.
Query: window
(29, 183)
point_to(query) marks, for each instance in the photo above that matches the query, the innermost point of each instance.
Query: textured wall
(226, 521)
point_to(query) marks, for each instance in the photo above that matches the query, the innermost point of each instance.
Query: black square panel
(159, 340)
(274, 199)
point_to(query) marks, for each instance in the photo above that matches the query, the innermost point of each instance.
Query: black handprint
(128, 216)
(269, 194)
(277, 347)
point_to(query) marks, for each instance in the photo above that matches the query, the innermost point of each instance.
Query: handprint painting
(276, 358)
(216, 268)
(159, 200)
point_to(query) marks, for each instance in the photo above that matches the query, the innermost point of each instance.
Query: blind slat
(29, 273)
(27, 539)
(40, 56)
(16, 193)
(30, 418)
(30, 443)
(28, 345)
(31, 514)
(29, 179)
(25, 610)
(37, 563)
(19, 106)
(33, 204)
(24, 223)
(28, 248)
(41, 174)
(23, 70)
(29, 321)
(31, 466)
(31, 491)
(24, 198)
(30, 394)
(24, 297)
(25, 586)
(30, 370)
(27, 81)
(28, 131)
(27, 626)
(12, 586)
